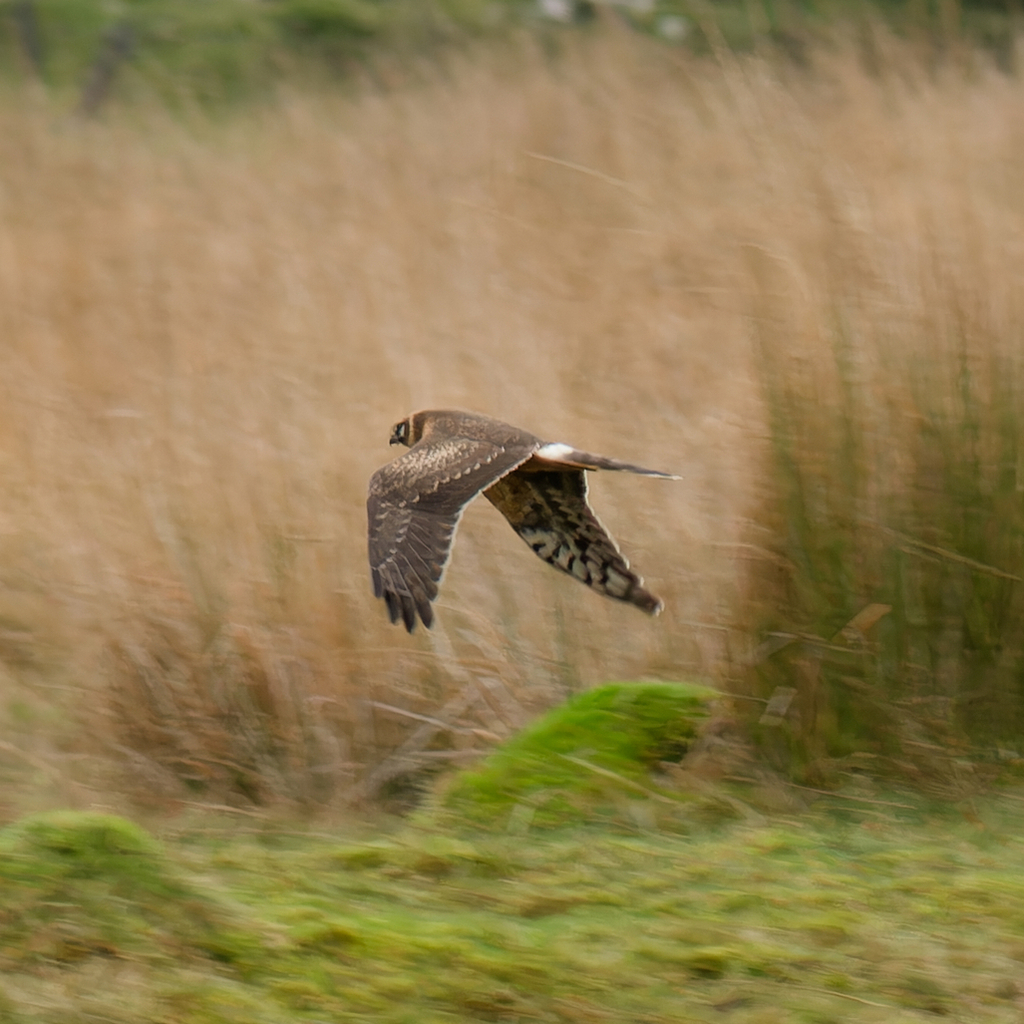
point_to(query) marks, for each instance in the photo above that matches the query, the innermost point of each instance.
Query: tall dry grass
(889, 345)
(208, 332)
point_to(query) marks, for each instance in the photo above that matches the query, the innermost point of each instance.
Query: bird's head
(413, 428)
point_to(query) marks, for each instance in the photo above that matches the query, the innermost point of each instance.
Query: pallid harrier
(415, 504)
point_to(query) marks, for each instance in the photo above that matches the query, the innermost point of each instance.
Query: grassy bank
(875, 910)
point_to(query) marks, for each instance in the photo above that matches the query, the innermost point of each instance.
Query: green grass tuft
(78, 884)
(581, 759)
(897, 484)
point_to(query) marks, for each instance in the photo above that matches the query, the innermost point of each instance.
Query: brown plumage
(415, 504)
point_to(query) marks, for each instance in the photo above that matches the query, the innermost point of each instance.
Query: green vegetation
(82, 884)
(900, 496)
(874, 912)
(219, 50)
(588, 758)
(214, 51)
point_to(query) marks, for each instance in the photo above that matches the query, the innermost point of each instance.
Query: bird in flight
(416, 501)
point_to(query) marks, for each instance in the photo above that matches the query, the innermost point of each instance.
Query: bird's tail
(564, 455)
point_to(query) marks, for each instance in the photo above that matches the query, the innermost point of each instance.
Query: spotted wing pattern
(414, 507)
(549, 510)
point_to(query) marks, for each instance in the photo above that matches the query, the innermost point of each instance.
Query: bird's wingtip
(646, 601)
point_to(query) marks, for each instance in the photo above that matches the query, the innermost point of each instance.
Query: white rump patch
(555, 452)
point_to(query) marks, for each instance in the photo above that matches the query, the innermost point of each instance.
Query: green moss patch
(77, 884)
(590, 759)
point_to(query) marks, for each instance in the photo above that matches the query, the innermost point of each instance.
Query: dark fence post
(116, 49)
(26, 23)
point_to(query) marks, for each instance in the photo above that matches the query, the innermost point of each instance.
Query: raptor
(416, 501)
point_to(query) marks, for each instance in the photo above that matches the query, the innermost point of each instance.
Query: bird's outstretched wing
(548, 509)
(414, 507)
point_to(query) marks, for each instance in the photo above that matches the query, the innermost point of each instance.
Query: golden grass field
(209, 328)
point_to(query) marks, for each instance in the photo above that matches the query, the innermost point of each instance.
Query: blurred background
(775, 248)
